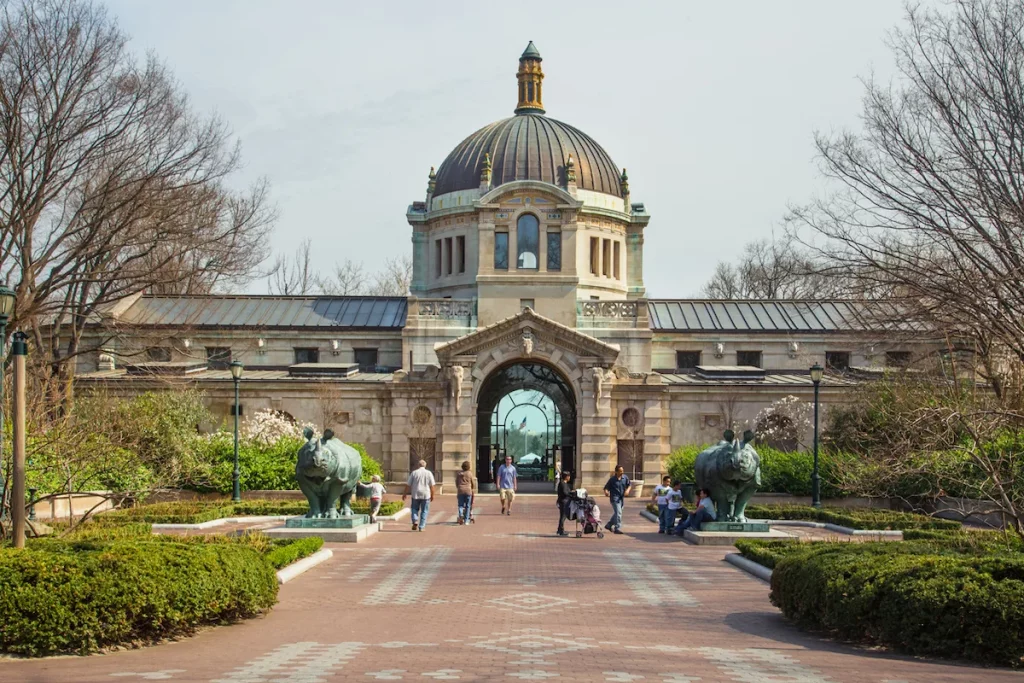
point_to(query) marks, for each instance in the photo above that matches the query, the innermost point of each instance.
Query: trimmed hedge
(898, 595)
(854, 518)
(767, 553)
(196, 512)
(56, 597)
(286, 552)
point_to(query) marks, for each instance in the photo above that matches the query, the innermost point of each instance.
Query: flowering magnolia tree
(269, 426)
(785, 423)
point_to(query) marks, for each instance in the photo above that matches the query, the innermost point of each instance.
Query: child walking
(377, 492)
(660, 497)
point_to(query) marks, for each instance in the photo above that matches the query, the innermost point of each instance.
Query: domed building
(528, 209)
(527, 329)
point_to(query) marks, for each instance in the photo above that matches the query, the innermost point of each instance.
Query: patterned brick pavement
(506, 600)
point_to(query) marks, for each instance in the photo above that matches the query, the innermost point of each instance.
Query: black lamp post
(236, 375)
(7, 297)
(816, 374)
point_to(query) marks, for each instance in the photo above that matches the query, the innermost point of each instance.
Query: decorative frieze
(447, 309)
(608, 309)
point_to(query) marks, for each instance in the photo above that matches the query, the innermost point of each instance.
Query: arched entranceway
(509, 398)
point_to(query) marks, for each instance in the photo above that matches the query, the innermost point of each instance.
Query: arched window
(527, 241)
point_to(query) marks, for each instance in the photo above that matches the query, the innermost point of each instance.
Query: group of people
(618, 487)
(669, 498)
(421, 485)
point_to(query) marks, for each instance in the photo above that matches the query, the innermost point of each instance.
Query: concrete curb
(885, 533)
(404, 512)
(304, 565)
(648, 516)
(259, 519)
(749, 566)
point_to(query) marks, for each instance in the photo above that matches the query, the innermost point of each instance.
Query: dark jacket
(564, 488)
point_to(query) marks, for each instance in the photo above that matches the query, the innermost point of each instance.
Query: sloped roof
(703, 315)
(352, 312)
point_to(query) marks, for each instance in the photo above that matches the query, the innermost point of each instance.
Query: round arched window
(527, 241)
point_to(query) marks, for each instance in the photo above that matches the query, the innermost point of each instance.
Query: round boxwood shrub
(904, 597)
(60, 598)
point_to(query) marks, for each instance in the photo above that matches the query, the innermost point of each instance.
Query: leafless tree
(348, 279)
(330, 406)
(773, 269)
(394, 279)
(294, 276)
(109, 184)
(928, 206)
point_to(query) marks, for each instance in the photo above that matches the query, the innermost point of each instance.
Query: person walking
(660, 498)
(508, 482)
(465, 487)
(617, 488)
(564, 491)
(704, 512)
(421, 488)
(377, 492)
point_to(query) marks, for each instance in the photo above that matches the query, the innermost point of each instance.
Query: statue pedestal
(743, 527)
(723, 537)
(344, 522)
(349, 529)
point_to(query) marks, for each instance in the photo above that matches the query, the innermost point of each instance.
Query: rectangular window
(460, 249)
(158, 354)
(307, 356)
(367, 359)
(448, 255)
(687, 360)
(616, 261)
(554, 250)
(897, 359)
(527, 303)
(595, 255)
(218, 357)
(837, 360)
(748, 358)
(437, 258)
(501, 251)
(606, 258)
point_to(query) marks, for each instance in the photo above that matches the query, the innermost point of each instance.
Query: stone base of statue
(727, 533)
(742, 527)
(345, 529)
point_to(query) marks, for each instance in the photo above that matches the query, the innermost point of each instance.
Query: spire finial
(530, 77)
(624, 182)
(485, 171)
(570, 169)
(431, 181)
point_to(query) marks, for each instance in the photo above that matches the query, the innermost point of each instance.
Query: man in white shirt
(421, 488)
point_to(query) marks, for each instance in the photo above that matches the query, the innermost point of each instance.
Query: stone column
(635, 263)
(420, 255)
(597, 432)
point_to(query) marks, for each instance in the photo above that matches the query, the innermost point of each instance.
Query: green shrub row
(124, 592)
(286, 552)
(853, 518)
(767, 553)
(196, 512)
(781, 471)
(894, 594)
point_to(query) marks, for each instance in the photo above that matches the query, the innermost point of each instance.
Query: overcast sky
(345, 106)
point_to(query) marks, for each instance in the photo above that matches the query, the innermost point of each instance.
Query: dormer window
(527, 241)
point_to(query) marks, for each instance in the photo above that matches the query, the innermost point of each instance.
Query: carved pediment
(528, 333)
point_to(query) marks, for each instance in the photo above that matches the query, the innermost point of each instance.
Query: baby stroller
(584, 510)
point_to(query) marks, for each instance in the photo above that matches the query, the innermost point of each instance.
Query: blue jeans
(465, 506)
(616, 519)
(666, 518)
(420, 509)
(694, 520)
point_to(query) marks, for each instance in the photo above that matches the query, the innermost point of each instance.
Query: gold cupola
(530, 79)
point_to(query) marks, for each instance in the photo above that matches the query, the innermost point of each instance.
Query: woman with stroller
(564, 490)
(704, 512)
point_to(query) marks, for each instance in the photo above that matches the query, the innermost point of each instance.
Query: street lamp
(816, 374)
(236, 375)
(7, 297)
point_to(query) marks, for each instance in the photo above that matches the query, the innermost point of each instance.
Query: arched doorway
(526, 406)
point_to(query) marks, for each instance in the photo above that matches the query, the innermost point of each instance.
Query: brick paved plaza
(506, 600)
